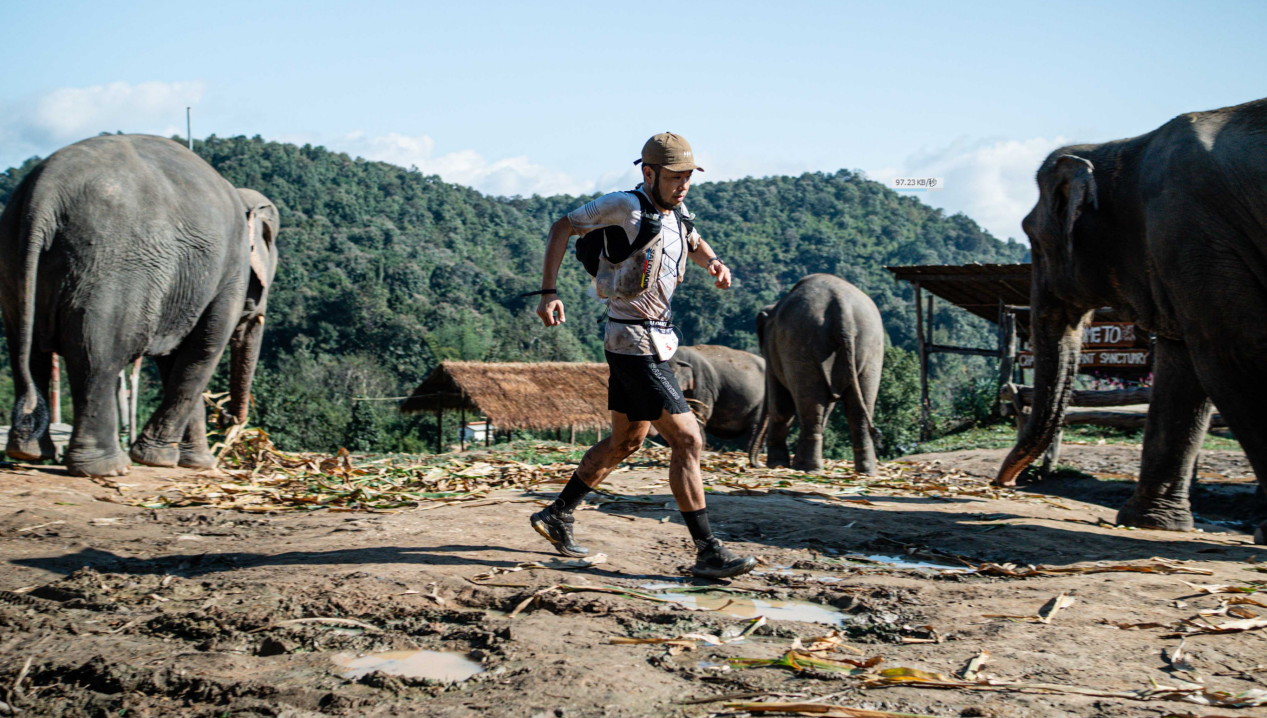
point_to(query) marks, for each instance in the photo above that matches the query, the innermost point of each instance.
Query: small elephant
(123, 246)
(725, 388)
(822, 342)
(1170, 229)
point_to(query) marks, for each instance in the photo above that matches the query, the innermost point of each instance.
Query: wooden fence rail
(1021, 397)
(1115, 397)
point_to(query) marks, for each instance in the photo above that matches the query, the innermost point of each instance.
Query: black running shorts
(642, 388)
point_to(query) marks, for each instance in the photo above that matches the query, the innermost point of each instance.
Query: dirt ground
(110, 609)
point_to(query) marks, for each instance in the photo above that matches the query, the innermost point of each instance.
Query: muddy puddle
(860, 562)
(434, 665)
(903, 562)
(743, 607)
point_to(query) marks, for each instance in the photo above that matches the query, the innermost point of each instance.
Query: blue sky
(517, 98)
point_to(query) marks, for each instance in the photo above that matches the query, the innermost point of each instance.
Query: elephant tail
(759, 434)
(30, 411)
(848, 353)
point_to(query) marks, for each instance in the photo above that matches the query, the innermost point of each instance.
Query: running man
(642, 390)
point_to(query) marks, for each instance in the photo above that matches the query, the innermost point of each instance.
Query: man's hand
(550, 309)
(722, 273)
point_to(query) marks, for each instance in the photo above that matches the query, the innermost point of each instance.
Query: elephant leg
(1178, 418)
(94, 444)
(862, 431)
(34, 447)
(782, 410)
(27, 447)
(813, 406)
(194, 450)
(1238, 386)
(188, 370)
(860, 435)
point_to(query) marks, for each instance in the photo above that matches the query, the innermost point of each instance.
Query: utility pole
(189, 128)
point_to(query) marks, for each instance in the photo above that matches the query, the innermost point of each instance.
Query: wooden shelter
(986, 290)
(1000, 294)
(533, 396)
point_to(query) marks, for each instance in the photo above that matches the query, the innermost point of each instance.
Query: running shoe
(557, 529)
(714, 560)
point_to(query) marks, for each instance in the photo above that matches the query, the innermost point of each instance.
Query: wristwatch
(715, 259)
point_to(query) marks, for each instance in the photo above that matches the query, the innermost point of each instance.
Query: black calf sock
(571, 495)
(697, 524)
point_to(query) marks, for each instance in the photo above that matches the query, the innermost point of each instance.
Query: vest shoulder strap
(648, 229)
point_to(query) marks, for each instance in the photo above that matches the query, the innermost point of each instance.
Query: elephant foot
(778, 459)
(154, 453)
(29, 450)
(199, 458)
(1159, 516)
(808, 466)
(85, 464)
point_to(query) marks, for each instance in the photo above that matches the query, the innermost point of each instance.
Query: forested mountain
(386, 271)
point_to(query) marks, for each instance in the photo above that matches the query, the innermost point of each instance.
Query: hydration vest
(625, 268)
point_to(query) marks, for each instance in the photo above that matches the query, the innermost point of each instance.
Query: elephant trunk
(758, 436)
(245, 353)
(1056, 336)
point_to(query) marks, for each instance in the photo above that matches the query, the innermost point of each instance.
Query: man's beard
(660, 198)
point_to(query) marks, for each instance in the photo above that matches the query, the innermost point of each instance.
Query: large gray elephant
(124, 246)
(823, 342)
(1170, 228)
(724, 386)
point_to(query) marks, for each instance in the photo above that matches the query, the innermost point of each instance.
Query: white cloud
(991, 180)
(507, 176)
(41, 124)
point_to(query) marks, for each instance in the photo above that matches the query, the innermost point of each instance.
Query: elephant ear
(762, 317)
(261, 231)
(257, 252)
(1075, 177)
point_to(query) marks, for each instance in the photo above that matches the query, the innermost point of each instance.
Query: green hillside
(386, 271)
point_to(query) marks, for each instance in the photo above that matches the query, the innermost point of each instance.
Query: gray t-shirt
(622, 208)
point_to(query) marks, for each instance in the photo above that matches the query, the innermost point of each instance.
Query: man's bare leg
(603, 458)
(555, 521)
(712, 560)
(681, 431)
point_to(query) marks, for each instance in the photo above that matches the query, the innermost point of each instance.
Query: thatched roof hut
(532, 396)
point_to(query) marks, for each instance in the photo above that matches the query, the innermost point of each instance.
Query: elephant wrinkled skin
(123, 246)
(725, 388)
(822, 343)
(1169, 228)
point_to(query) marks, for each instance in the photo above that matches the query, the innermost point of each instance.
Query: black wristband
(539, 291)
(714, 259)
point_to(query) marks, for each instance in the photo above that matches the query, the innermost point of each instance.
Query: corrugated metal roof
(978, 288)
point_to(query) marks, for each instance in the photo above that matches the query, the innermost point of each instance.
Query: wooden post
(462, 429)
(488, 431)
(121, 397)
(1007, 347)
(922, 346)
(134, 398)
(439, 430)
(55, 389)
(571, 433)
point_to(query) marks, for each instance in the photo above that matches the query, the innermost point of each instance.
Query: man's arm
(705, 257)
(550, 308)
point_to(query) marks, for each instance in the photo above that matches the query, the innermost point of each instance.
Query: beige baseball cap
(670, 151)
